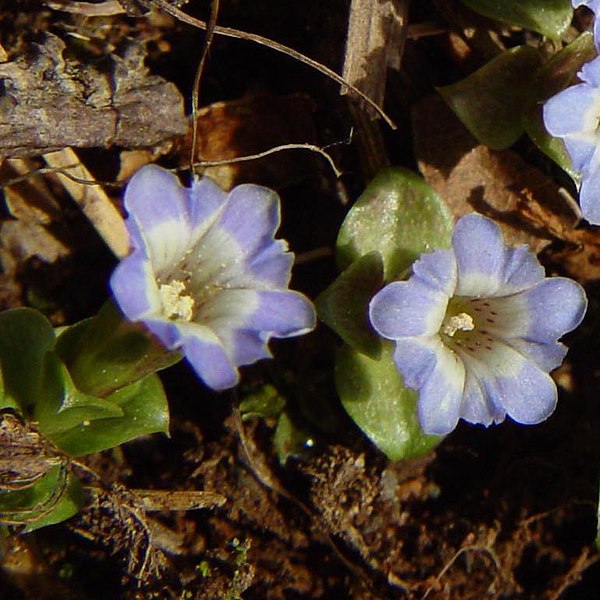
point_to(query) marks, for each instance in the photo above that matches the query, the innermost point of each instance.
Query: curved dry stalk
(210, 33)
(273, 45)
(273, 150)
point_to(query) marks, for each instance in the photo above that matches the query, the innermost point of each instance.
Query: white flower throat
(465, 326)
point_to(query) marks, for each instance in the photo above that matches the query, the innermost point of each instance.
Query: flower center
(465, 327)
(176, 304)
(460, 322)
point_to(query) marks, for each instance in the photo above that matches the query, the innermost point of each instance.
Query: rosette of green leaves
(82, 389)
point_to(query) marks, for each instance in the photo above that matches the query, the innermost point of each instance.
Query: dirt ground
(508, 512)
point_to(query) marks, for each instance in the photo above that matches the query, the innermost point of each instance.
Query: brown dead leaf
(471, 177)
(253, 124)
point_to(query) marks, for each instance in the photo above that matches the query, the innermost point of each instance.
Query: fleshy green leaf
(63, 406)
(70, 504)
(289, 439)
(266, 402)
(145, 411)
(491, 100)
(373, 394)
(107, 352)
(399, 216)
(548, 17)
(56, 497)
(562, 69)
(344, 304)
(551, 146)
(25, 337)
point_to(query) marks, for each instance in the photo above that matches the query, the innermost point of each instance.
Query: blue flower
(205, 274)
(476, 329)
(574, 115)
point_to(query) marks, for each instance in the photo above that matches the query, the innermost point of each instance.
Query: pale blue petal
(476, 407)
(480, 256)
(437, 269)
(567, 112)
(522, 270)
(206, 200)
(406, 309)
(168, 332)
(589, 196)
(440, 397)
(558, 305)
(581, 150)
(529, 395)
(282, 313)
(248, 346)
(415, 359)
(208, 357)
(514, 383)
(272, 267)
(543, 313)
(157, 205)
(547, 356)
(590, 71)
(250, 217)
(228, 309)
(278, 313)
(133, 284)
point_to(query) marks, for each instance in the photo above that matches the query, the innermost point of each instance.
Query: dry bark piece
(375, 42)
(50, 102)
(25, 455)
(471, 177)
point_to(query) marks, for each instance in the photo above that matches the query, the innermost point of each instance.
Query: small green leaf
(25, 337)
(399, 216)
(548, 17)
(561, 70)
(56, 497)
(344, 305)
(62, 406)
(373, 394)
(491, 100)
(107, 352)
(551, 146)
(70, 504)
(290, 440)
(266, 403)
(145, 410)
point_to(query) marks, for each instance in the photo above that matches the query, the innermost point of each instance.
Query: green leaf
(25, 338)
(145, 410)
(344, 305)
(399, 216)
(62, 406)
(56, 497)
(70, 504)
(373, 394)
(561, 70)
(491, 100)
(290, 440)
(107, 352)
(548, 17)
(553, 147)
(266, 403)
